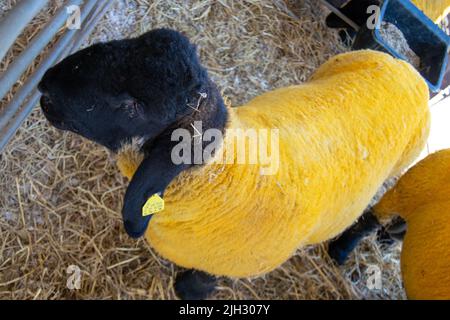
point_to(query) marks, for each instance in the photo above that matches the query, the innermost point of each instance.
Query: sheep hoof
(194, 285)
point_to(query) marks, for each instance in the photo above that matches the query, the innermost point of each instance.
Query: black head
(112, 92)
(144, 87)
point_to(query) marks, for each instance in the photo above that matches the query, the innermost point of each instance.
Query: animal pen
(61, 196)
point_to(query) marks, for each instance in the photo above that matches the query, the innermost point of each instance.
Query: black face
(112, 92)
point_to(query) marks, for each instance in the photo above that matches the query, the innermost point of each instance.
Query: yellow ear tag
(153, 205)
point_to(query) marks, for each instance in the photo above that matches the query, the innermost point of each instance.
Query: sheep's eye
(131, 107)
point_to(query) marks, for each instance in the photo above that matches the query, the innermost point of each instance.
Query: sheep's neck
(130, 155)
(208, 109)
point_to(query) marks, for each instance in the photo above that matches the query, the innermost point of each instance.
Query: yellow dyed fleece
(422, 198)
(436, 10)
(362, 118)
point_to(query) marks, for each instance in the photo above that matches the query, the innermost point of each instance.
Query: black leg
(194, 285)
(340, 248)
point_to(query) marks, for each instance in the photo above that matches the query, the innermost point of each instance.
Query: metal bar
(21, 95)
(7, 133)
(12, 25)
(21, 63)
(338, 12)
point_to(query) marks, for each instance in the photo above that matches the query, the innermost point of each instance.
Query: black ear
(152, 177)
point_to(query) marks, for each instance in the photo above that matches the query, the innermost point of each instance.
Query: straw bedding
(61, 196)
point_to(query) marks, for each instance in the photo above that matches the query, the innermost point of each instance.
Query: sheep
(362, 118)
(422, 198)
